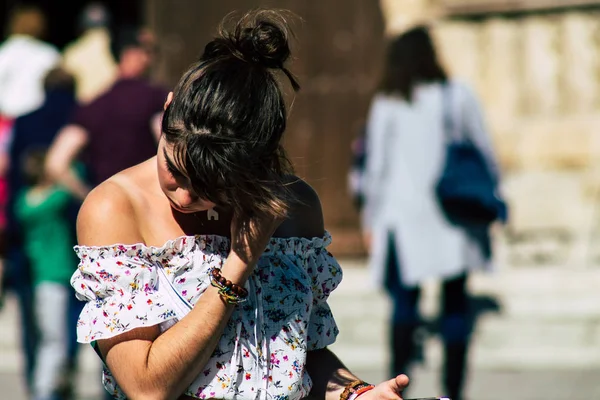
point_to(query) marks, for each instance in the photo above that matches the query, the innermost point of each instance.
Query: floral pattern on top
(262, 352)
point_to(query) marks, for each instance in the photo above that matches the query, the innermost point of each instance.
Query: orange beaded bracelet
(354, 389)
(360, 391)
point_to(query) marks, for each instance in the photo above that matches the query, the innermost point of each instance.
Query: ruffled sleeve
(119, 284)
(326, 275)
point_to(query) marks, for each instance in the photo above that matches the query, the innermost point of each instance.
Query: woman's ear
(169, 99)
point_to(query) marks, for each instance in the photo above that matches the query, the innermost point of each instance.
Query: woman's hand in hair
(250, 236)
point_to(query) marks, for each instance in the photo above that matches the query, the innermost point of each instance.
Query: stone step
(513, 359)
(527, 293)
(496, 345)
(546, 318)
(563, 279)
(492, 331)
(517, 308)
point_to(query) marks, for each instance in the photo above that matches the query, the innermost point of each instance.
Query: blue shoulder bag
(466, 190)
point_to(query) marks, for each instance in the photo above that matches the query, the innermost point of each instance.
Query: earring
(212, 214)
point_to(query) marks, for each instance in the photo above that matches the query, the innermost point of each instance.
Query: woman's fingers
(388, 390)
(249, 236)
(395, 387)
(401, 382)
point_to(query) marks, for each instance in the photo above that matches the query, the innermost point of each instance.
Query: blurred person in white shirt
(24, 61)
(89, 58)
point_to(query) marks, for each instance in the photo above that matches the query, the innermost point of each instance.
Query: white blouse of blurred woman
(406, 148)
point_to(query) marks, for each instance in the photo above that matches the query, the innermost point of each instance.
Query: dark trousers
(18, 280)
(454, 323)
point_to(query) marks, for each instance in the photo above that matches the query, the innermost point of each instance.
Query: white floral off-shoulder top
(262, 352)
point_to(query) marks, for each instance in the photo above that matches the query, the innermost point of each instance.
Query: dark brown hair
(411, 59)
(59, 79)
(228, 115)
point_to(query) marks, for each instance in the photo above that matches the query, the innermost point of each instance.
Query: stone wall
(337, 56)
(538, 77)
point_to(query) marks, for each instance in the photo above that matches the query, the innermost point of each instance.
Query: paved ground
(483, 385)
(538, 337)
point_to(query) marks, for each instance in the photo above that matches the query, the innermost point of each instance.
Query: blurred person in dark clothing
(356, 173)
(39, 128)
(121, 127)
(35, 129)
(410, 239)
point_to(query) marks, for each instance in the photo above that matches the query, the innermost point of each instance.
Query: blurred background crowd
(81, 92)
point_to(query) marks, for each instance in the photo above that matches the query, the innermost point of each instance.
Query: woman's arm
(330, 378)
(63, 152)
(328, 374)
(147, 365)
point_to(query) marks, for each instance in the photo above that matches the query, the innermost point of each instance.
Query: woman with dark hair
(410, 239)
(205, 268)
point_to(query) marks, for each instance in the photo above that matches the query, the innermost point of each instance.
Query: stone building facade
(337, 54)
(536, 68)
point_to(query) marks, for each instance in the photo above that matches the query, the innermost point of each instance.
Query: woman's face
(176, 185)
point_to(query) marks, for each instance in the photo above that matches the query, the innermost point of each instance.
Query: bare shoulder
(305, 216)
(107, 216)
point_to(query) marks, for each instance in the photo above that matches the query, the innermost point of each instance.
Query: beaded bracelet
(230, 292)
(360, 391)
(354, 389)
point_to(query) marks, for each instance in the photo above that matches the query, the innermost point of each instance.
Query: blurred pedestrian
(121, 127)
(24, 60)
(48, 240)
(409, 237)
(37, 129)
(356, 174)
(89, 58)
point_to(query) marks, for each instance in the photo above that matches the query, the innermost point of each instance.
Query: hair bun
(260, 37)
(265, 43)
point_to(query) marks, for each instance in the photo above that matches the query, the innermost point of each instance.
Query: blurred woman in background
(409, 238)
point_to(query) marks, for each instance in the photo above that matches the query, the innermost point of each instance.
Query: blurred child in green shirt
(48, 243)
